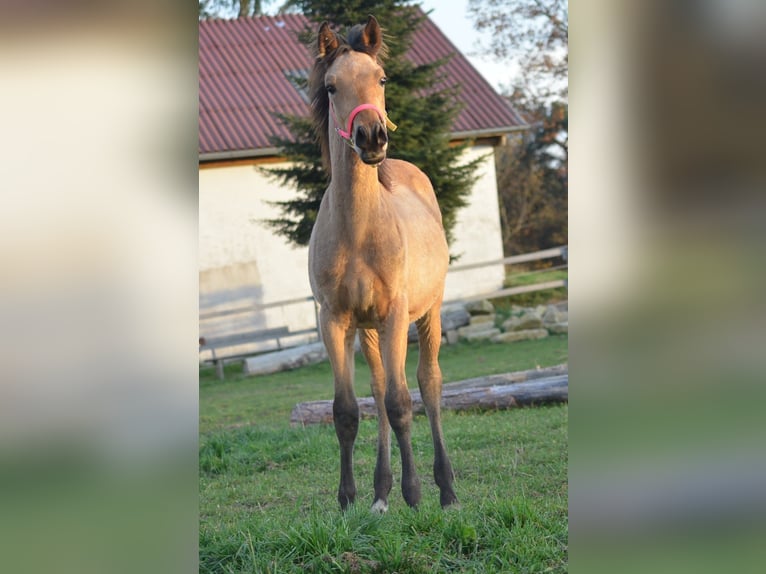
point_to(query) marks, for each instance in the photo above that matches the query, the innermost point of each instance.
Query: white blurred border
(98, 297)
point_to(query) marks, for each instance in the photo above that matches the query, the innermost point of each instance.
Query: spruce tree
(424, 116)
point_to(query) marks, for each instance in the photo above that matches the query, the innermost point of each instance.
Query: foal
(377, 261)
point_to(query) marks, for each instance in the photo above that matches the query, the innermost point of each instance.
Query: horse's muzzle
(372, 159)
(371, 142)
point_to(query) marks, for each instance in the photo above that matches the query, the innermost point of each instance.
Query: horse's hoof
(450, 501)
(411, 492)
(379, 507)
(345, 500)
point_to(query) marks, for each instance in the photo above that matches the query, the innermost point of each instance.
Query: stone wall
(524, 323)
(478, 320)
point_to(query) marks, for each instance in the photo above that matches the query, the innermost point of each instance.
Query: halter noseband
(346, 134)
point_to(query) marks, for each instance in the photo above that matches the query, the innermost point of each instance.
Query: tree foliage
(534, 34)
(424, 116)
(532, 177)
(532, 171)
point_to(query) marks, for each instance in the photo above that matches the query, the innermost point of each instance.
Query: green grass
(267, 491)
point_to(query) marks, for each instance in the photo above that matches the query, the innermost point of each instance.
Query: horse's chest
(361, 290)
(357, 291)
(361, 277)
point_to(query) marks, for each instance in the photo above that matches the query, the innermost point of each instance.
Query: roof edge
(275, 151)
(488, 132)
(240, 154)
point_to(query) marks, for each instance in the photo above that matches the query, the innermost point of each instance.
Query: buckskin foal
(377, 261)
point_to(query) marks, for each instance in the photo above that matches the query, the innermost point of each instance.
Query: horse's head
(355, 82)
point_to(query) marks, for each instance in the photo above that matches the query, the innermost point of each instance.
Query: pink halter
(346, 134)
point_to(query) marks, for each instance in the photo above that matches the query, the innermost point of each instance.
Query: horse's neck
(355, 194)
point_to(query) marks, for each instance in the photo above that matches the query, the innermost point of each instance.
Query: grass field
(267, 491)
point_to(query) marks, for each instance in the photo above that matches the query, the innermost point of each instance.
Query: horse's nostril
(375, 136)
(379, 135)
(361, 136)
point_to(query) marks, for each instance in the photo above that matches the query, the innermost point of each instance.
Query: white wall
(478, 236)
(243, 263)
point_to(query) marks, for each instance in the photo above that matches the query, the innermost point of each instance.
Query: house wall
(478, 236)
(242, 263)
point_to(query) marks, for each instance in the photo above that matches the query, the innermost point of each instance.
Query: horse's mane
(320, 100)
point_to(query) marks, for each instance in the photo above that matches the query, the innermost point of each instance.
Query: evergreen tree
(424, 116)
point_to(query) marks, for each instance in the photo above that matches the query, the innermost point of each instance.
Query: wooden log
(507, 378)
(495, 392)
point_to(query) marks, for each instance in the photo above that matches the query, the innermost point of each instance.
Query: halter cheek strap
(346, 134)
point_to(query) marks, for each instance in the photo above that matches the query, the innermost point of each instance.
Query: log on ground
(460, 396)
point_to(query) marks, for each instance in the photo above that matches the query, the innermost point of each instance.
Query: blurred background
(98, 408)
(98, 298)
(667, 184)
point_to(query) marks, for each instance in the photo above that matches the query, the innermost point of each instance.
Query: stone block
(483, 319)
(479, 335)
(554, 315)
(469, 329)
(454, 316)
(529, 320)
(511, 336)
(480, 307)
(558, 328)
(511, 323)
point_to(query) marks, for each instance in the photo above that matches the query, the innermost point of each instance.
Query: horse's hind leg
(383, 478)
(338, 337)
(430, 383)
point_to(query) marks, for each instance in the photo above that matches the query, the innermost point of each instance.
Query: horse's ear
(327, 41)
(372, 36)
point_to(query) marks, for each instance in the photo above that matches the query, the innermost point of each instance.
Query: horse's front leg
(383, 478)
(338, 337)
(398, 400)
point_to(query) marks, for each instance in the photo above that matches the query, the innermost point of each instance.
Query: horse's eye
(330, 89)
(383, 81)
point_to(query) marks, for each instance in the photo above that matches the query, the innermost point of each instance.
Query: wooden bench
(218, 345)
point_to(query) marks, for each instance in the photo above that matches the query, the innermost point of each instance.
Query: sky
(451, 16)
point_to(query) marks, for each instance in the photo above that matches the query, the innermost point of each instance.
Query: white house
(244, 71)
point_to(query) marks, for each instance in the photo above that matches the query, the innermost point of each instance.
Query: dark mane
(320, 101)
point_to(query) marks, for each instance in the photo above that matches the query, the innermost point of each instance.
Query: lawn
(267, 490)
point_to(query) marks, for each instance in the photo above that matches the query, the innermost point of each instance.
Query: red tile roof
(244, 66)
